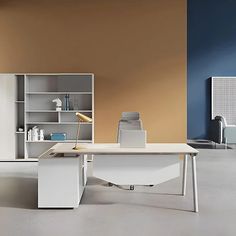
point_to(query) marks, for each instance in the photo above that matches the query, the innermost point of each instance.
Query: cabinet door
(7, 116)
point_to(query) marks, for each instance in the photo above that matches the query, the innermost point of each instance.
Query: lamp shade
(83, 118)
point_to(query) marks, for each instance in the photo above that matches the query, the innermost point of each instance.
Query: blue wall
(211, 52)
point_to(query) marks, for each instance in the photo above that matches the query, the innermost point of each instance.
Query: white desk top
(114, 148)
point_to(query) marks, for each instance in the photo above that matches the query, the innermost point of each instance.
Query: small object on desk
(20, 129)
(58, 136)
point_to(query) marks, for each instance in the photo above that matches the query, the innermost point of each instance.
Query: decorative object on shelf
(67, 102)
(20, 129)
(58, 136)
(35, 134)
(58, 104)
(41, 134)
(71, 105)
(81, 118)
(76, 103)
(29, 138)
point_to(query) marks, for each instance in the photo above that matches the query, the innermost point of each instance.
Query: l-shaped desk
(62, 171)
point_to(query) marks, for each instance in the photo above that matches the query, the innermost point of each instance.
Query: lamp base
(76, 148)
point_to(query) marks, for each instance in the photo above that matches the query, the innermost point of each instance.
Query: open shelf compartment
(59, 83)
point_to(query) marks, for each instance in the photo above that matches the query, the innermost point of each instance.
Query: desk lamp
(81, 118)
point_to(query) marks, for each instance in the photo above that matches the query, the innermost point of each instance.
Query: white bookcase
(34, 107)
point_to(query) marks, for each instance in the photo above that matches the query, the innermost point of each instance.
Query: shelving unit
(20, 117)
(34, 107)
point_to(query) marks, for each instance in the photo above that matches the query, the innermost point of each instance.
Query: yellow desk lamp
(81, 118)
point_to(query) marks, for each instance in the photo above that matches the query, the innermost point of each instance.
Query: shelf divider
(63, 93)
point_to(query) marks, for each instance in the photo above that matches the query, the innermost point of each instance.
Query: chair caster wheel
(110, 184)
(131, 187)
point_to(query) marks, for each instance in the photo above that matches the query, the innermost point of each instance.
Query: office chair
(129, 121)
(131, 170)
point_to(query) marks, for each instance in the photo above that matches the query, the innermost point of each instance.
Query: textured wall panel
(224, 98)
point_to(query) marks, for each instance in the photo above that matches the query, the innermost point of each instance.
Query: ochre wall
(135, 48)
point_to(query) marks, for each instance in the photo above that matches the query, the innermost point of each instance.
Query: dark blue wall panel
(211, 52)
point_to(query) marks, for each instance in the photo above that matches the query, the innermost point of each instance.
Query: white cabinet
(8, 108)
(27, 102)
(61, 181)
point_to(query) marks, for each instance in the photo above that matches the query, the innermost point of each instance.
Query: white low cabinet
(61, 181)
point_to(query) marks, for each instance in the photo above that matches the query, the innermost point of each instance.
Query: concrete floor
(115, 211)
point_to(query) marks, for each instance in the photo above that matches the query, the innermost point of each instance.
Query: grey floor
(115, 211)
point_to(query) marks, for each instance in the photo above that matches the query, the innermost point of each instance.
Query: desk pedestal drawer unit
(61, 181)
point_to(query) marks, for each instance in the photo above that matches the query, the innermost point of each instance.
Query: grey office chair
(130, 170)
(129, 121)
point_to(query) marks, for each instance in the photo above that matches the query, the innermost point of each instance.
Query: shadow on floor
(208, 144)
(95, 181)
(19, 192)
(100, 193)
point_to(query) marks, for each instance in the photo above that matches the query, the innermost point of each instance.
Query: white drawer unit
(61, 181)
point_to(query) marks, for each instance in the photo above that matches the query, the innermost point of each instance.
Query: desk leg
(194, 175)
(185, 164)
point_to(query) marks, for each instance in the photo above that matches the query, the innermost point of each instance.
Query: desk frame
(194, 179)
(93, 150)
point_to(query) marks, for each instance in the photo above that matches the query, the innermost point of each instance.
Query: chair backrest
(130, 116)
(133, 138)
(129, 121)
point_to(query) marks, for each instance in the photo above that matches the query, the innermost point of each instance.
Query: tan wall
(136, 49)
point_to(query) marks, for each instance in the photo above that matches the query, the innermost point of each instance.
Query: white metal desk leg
(194, 175)
(185, 164)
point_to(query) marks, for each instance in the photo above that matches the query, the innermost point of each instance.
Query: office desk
(63, 157)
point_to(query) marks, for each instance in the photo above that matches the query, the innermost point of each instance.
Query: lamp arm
(77, 136)
(81, 118)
